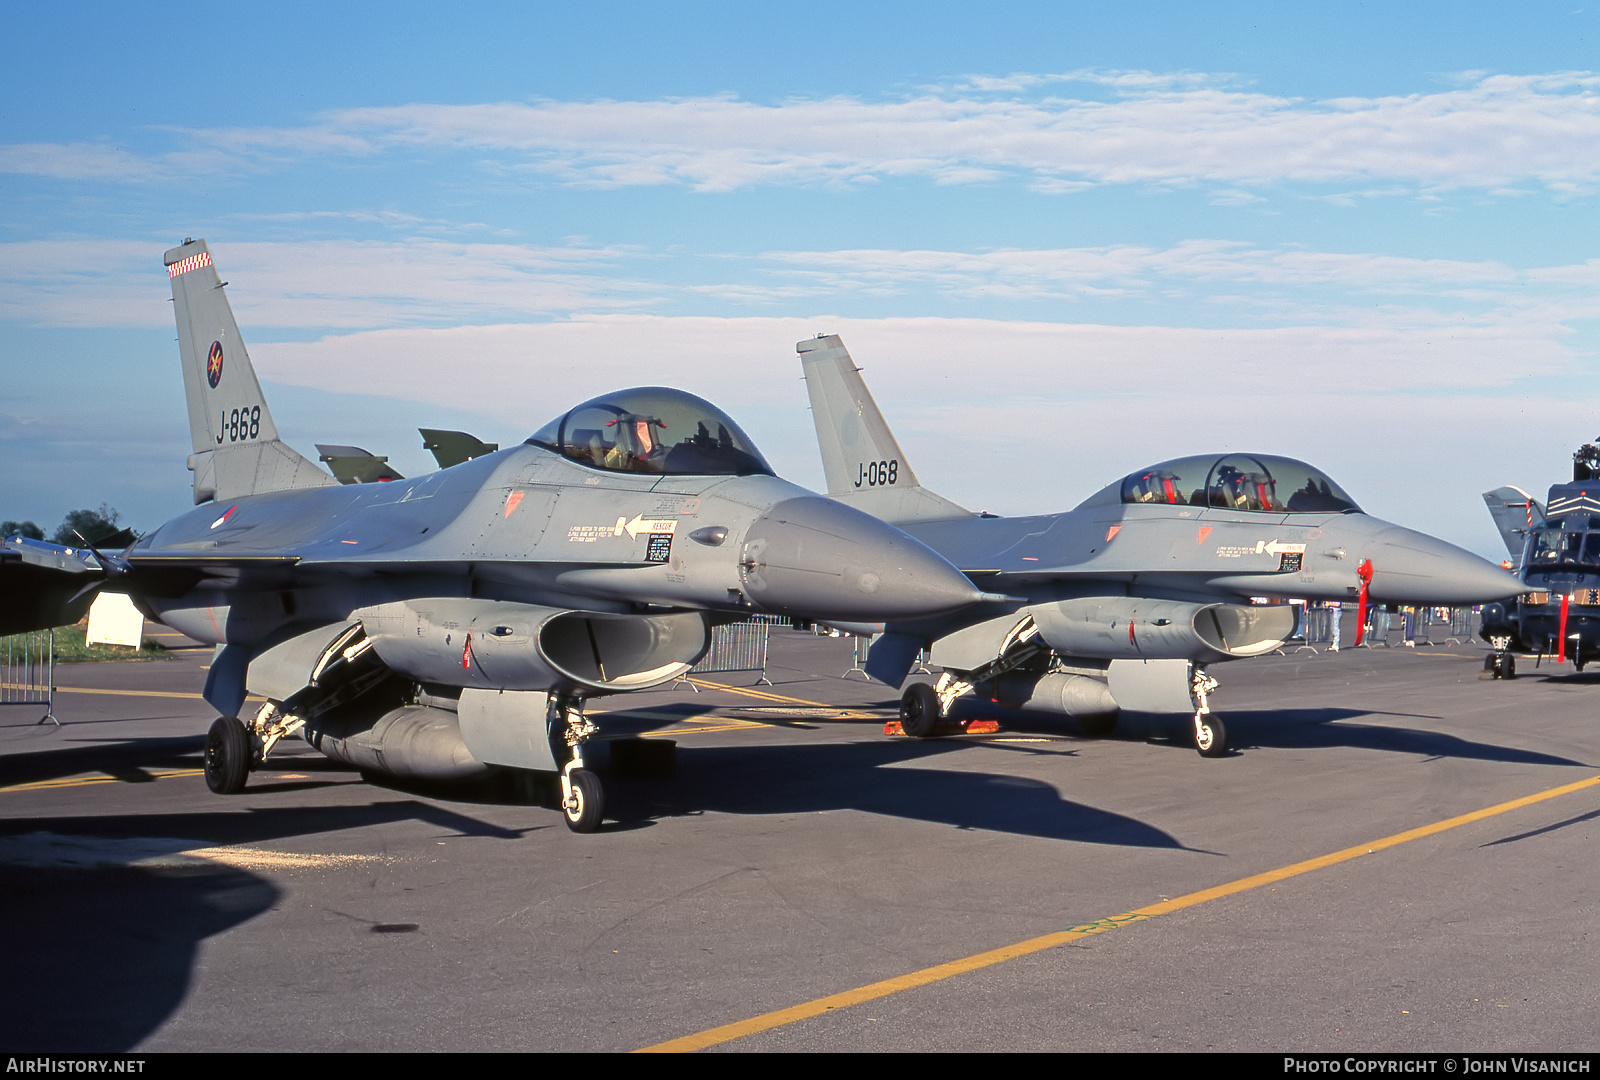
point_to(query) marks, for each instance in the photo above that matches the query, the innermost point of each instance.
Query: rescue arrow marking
(640, 524)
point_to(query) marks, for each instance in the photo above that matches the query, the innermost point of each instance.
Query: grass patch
(71, 648)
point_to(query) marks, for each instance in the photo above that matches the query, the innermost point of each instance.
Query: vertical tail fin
(863, 463)
(236, 446)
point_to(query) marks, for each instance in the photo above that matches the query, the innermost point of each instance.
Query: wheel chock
(951, 727)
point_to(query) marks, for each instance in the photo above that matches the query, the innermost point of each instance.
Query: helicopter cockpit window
(654, 430)
(1566, 546)
(1249, 482)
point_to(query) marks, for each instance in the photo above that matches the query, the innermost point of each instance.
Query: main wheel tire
(1210, 736)
(227, 756)
(1099, 726)
(919, 711)
(588, 803)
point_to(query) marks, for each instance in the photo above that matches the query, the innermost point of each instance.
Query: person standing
(1334, 611)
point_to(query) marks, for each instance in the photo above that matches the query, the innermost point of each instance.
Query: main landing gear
(924, 706)
(229, 756)
(920, 710)
(235, 749)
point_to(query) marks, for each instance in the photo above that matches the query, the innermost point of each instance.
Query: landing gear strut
(922, 707)
(1210, 735)
(583, 799)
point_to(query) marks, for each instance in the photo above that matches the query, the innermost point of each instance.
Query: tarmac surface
(1285, 897)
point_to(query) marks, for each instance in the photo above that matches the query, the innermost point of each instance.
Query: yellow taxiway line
(119, 693)
(781, 699)
(873, 991)
(82, 781)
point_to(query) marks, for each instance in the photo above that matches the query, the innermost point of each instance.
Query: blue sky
(1126, 232)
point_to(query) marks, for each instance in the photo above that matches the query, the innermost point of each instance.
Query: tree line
(78, 527)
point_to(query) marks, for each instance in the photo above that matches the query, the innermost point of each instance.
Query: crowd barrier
(27, 671)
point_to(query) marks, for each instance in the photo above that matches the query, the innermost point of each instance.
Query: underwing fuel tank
(415, 742)
(1135, 628)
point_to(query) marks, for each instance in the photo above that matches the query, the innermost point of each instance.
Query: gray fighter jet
(437, 626)
(1124, 600)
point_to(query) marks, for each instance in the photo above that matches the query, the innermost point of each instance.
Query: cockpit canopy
(1252, 482)
(653, 429)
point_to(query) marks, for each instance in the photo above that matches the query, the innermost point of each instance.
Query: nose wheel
(1210, 736)
(583, 801)
(1500, 665)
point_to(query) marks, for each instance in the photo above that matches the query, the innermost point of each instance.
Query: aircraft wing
(1514, 512)
(45, 584)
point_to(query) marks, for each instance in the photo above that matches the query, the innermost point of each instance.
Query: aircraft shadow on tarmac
(1297, 729)
(98, 958)
(87, 973)
(1285, 729)
(129, 760)
(875, 778)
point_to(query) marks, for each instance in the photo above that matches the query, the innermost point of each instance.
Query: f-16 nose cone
(1413, 568)
(820, 559)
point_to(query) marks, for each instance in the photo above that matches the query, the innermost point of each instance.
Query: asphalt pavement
(1394, 856)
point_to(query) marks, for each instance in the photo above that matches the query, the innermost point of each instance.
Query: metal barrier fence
(1313, 628)
(740, 646)
(1419, 627)
(27, 671)
(862, 644)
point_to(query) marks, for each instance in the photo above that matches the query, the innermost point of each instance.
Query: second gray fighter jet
(1123, 601)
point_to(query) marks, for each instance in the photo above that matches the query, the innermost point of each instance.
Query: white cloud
(1065, 272)
(1496, 131)
(1490, 133)
(1395, 415)
(343, 284)
(78, 161)
(510, 369)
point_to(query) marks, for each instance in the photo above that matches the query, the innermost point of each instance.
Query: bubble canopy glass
(655, 430)
(1250, 482)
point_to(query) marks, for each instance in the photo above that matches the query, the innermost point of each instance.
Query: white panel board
(113, 620)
